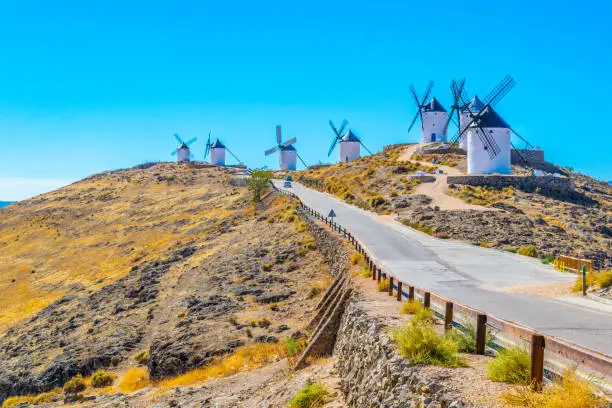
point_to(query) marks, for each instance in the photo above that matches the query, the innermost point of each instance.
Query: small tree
(258, 183)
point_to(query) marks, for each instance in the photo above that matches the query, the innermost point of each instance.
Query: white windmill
(287, 154)
(217, 152)
(432, 114)
(482, 131)
(350, 144)
(182, 152)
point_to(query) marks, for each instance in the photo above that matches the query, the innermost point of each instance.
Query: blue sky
(91, 86)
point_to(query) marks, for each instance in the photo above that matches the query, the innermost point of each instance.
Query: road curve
(467, 274)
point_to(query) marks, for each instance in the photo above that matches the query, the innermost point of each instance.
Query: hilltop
(168, 263)
(508, 218)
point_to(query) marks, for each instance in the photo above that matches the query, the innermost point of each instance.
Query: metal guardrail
(550, 356)
(567, 263)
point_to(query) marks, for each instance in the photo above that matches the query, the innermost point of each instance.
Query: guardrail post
(378, 274)
(427, 300)
(537, 362)
(399, 290)
(390, 285)
(481, 333)
(373, 270)
(448, 316)
(411, 293)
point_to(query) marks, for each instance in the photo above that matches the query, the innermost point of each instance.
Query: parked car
(287, 184)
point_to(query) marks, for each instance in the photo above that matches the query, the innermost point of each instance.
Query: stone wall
(372, 372)
(532, 157)
(330, 245)
(394, 146)
(561, 187)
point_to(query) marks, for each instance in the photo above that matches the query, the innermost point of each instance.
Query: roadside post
(584, 284)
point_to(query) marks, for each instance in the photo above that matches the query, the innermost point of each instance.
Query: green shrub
(411, 307)
(102, 379)
(366, 273)
(383, 285)
(75, 385)
(267, 267)
(356, 258)
(528, 250)
(510, 365)
(419, 342)
(466, 338)
(143, 355)
(311, 396)
(547, 259)
(603, 279)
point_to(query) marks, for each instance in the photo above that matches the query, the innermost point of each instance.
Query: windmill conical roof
(433, 106)
(183, 146)
(217, 145)
(488, 118)
(349, 137)
(475, 105)
(290, 147)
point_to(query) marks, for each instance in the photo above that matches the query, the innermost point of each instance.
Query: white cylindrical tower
(474, 107)
(350, 147)
(288, 158)
(478, 157)
(434, 119)
(183, 153)
(217, 153)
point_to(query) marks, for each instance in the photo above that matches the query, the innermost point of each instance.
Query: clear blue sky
(89, 86)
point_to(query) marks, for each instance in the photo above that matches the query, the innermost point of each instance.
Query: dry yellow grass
(43, 398)
(92, 232)
(133, 380)
(245, 358)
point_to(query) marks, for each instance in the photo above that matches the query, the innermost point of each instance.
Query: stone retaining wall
(374, 375)
(532, 157)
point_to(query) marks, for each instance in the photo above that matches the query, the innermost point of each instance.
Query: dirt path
(437, 190)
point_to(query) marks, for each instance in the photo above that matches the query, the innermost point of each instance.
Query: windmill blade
(501, 90)
(290, 142)
(278, 134)
(333, 145)
(178, 138)
(456, 90)
(303, 162)
(414, 120)
(342, 126)
(336, 132)
(414, 95)
(364, 146)
(488, 142)
(270, 151)
(206, 151)
(174, 152)
(529, 145)
(233, 155)
(190, 141)
(427, 92)
(521, 156)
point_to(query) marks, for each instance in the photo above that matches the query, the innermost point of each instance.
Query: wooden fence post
(481, 333)
(448, 316)
(537, 362)
(411, 293)
(427, 300)
(378, 274)
(390, 285)
(399, 290)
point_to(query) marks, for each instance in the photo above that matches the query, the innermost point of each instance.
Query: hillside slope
(169, 259)
(507, 218)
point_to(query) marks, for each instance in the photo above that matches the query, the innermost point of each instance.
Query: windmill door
(433, 137)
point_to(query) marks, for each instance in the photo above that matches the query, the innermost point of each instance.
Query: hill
(169, 262)
(505, 218)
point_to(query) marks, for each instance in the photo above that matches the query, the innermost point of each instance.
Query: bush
(419, 342)
(75, 385)
(570, 392)
(411, 307)
(102, 379)
(356, 258)
(142, 356)
(466, 338)
(311, 396)
(510, 365)
(366, 273)
(547, 259)
(602, 279)
(267, 267)
(528, 250)
(383, 285)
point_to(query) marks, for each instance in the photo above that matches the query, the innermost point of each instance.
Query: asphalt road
(467, 274)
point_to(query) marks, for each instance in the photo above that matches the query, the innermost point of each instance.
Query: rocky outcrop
(336, 254)
(373, 374)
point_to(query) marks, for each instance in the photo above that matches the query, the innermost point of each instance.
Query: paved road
(467, 274)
